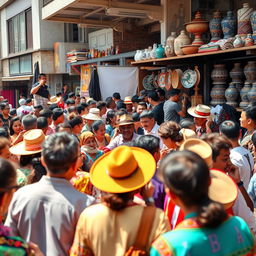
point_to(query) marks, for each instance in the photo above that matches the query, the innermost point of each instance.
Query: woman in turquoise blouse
(207, 229)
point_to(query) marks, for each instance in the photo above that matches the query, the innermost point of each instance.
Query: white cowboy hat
(200, 111)
(94, 114)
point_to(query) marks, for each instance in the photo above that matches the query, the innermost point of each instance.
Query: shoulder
(161, 246)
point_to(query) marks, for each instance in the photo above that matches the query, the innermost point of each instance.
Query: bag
(146, 223)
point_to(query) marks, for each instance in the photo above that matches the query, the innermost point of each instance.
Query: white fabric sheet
(118, 79)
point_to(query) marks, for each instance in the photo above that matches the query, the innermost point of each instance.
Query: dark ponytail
(117, 202)
(187, 175)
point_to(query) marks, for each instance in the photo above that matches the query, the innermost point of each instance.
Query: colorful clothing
(232, 237)
(109, 130)
(82, 183)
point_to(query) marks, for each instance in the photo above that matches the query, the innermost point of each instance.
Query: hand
(41, 82)
(233, 172)
(19, 138)
(164, 152)
(147, 191)
(35, 249)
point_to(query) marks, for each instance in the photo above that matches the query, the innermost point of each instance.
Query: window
(20, 32)
(21, 65)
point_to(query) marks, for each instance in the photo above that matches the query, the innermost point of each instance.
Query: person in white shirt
(148, 123)
(47, 212)
(239, 156)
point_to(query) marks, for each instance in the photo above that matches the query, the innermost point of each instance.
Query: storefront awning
(16, 78)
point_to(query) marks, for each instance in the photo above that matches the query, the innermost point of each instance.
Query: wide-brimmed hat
(222, 189)
(128, 100)
(199, 147)
(123, 169)
(54, 100)
(125, 120)
(187, 133)
(200, 111)
(94, 114)
(31, 144)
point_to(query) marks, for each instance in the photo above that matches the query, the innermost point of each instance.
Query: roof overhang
(16, 78)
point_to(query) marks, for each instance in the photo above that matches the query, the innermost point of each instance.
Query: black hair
(70, 102)
(120, 105)
(13, 120)
(40, 107)
(153, 95)
(250, 113)
(47, 113)
(29, 122)
(27, 159)
(28, 100)
(58, 94)
(71, 94)
(108, 101)
(41, 74)
(60, 151)
(174, 92)
(110, 114)
(96, 125)
(3, 105)
(4, 133)
(71, 109)
(150, 143)
(187, 175)
(121, 112)
(80, 108)
(135, 99)
(53, 106)
(84, 104)
(142, 103)
(136, 117)
(78, 96)
(39, 171)
(101, 104)
(75, 121)
(13, 112)
(186, 123)
(147, 114)
(42, 122)
(57, 112)
(160, 92)
(63, 125)
(230, 129)
(117, 95)
(91, 102)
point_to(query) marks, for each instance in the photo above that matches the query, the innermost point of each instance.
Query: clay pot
(244, 23)
(237, 73)
(219, 73)
(170, 43)
(250, 71)
(218, 94)
(253, 23)
(231, 94)
(190, 49)
(197, 26)
(215, 26)
(180, 41)
(243, 94)
(228, 25)
(252, 93)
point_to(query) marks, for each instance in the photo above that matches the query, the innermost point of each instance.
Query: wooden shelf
(190, 56)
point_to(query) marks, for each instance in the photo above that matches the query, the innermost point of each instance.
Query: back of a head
(120, 105)
(136, 117)
(230, 129)
(117, 95)
(80, 108)
(42, 122)
(161, 92)
(53, 106)
(135, 99)
(173, 92)
(64, 125)
(75, 121)
(91, 102)
(47, 113)
(150, 143)
(186, 123)
(108, 101)
(101, 104)
(250, 113)
(4, 134)
(187, 175)
(39, 107)
(60, 151)
(170, 130)
(29, 122)
(70, 102)
(153, 95)
(7, 175)
(57, 112)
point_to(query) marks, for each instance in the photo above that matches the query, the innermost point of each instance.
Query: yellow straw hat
(54, 100)
(123, 169)
(31, 144)
(222, 189)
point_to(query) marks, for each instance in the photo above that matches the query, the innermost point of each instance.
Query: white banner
(118, 79)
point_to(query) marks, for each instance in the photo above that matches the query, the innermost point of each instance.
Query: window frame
(19, 59)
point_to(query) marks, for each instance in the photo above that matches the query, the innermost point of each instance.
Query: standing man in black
(40, 92)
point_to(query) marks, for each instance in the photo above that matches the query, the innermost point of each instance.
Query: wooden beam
(92, 12)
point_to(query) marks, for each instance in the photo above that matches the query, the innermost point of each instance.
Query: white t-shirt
(242, 158)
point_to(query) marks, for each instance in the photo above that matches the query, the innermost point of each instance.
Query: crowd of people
(144, 175)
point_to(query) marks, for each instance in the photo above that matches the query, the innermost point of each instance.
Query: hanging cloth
(94, 86)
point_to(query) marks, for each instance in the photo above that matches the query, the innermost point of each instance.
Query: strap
(146, 223)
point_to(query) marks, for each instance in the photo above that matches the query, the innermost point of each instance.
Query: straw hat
(123, 169)
(31, 144)
(199, 147)
(201, 111)
(54, 100)
(187, 133)
(128, 100)
(94, 114)
(222, 189)
(125, 120)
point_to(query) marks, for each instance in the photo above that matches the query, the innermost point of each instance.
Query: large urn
(252, 93)
(228, 25)
(253, 23)
(219, 76)
(250, 71)
(181, 40)
(169, 48)
(198, 26)
(231, 95)
(244, 24)
(215, 26)
(237, 75)
(243, 94)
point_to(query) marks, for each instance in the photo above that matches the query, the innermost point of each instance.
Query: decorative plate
(162, 80)
(147, 82)
(189, 78)
(156, 81)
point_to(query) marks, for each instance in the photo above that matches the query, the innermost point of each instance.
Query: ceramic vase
(153, 52)
(249, 40)
(215, 27)
(244, 24)
(228, 25)
(252, 93)
(170, 43)
(238, 42)
(219, 76)
(243, 94)
(160, 52)
(169, 51)
(180, 41)
(253, 23)
(231, 95)
(138, 56)
(237, 75)
(250, 71)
